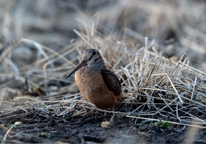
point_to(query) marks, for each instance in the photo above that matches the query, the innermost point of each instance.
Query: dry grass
(154, 85)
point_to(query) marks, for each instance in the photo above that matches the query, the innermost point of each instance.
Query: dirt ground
(35, 35)
(36, 128)
(39, 126)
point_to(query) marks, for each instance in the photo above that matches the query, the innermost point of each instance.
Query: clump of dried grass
(153, 86)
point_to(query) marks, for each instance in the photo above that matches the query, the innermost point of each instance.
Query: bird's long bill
(83, 63)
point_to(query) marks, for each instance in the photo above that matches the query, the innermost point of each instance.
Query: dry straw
(153, 86)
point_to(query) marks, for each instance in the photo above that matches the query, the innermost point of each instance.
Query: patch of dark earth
(37, 128)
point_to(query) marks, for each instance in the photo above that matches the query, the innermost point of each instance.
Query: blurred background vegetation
(38, 47)
(176, 26)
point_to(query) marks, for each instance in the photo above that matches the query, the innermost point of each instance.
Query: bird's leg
(105, 113)
(93, 111)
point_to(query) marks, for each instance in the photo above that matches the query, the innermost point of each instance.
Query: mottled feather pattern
(111, 81)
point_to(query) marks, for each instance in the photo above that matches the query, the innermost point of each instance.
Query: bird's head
(91, 59)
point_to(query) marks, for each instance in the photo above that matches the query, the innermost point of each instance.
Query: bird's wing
(111, 81)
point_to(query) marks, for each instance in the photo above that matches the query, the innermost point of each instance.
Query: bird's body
(96, 83)
(94, 89)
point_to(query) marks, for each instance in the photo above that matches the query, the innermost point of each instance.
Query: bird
(97, 84)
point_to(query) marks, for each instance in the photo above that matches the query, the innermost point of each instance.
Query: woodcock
(96, 83)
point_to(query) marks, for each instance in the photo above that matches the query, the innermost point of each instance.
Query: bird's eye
(94, 52)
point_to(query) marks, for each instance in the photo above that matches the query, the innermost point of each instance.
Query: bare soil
(49, 128)
(172, 24)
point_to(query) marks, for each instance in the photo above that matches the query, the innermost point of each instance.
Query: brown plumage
(96, 83)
